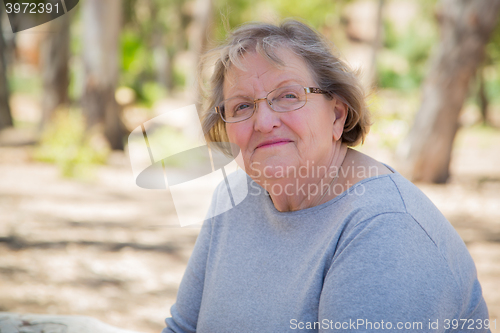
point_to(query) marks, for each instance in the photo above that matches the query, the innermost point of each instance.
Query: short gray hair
(331, 73)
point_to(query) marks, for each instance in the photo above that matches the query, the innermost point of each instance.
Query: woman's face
(273, 143)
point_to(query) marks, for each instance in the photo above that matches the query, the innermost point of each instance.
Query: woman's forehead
(256, 70)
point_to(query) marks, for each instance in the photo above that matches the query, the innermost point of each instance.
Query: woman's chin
(270, 169)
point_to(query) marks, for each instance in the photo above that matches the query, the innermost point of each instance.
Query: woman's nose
(265, 117)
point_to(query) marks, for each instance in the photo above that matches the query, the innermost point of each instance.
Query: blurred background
(77, 236)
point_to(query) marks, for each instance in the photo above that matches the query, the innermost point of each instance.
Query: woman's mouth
(273, 143)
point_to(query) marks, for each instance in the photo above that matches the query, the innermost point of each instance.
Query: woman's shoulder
(382, 189)
(393, 206)
(394, 196)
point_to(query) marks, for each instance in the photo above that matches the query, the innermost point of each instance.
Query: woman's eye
(241, 107)
(289, 96)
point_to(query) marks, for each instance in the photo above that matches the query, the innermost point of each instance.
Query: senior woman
(327, 239)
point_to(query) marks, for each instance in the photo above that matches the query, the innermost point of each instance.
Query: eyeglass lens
(283, 99)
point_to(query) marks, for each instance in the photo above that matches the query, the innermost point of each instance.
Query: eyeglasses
(282, 99)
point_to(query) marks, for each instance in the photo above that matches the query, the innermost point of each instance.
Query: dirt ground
(108, 249)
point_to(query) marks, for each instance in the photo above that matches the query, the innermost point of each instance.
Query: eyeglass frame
(307, 90)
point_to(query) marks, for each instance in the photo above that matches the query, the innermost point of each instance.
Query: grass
(66, 143)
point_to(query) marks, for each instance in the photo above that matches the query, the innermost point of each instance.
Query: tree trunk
(376, 45)
(198, 40)
(466, 26)
(102, 23)
(5, 115)
(55, 74)
(482, 97)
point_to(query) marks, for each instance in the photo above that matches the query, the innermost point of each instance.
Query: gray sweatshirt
(379, 257)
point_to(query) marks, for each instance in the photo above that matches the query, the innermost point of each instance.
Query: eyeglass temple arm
(313, 90)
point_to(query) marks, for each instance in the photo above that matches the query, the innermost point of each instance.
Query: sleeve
(388, 274)
(186, 309)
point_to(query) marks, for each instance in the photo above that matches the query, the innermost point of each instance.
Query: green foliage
(315, 11)
(164, 138)
(318, 13)
(493, 48)
(134, 54)
(76, 81)
(392, 111)
(25, 82)
(402, 65)
(151, 92)
(179, 77)
(138, 70)
(136, 63)
(152, 26)
(492, 70)
(65, 143)
(492, 89)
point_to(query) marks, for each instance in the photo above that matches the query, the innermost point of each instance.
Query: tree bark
(5, 114)
(482, 97)
(376, 45)
(55, 73)
(466, 26)
(198, 40)
(102, 23)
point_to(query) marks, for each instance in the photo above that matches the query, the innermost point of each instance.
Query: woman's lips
(273, 143)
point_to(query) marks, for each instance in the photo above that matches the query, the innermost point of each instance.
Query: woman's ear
(340, 112)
